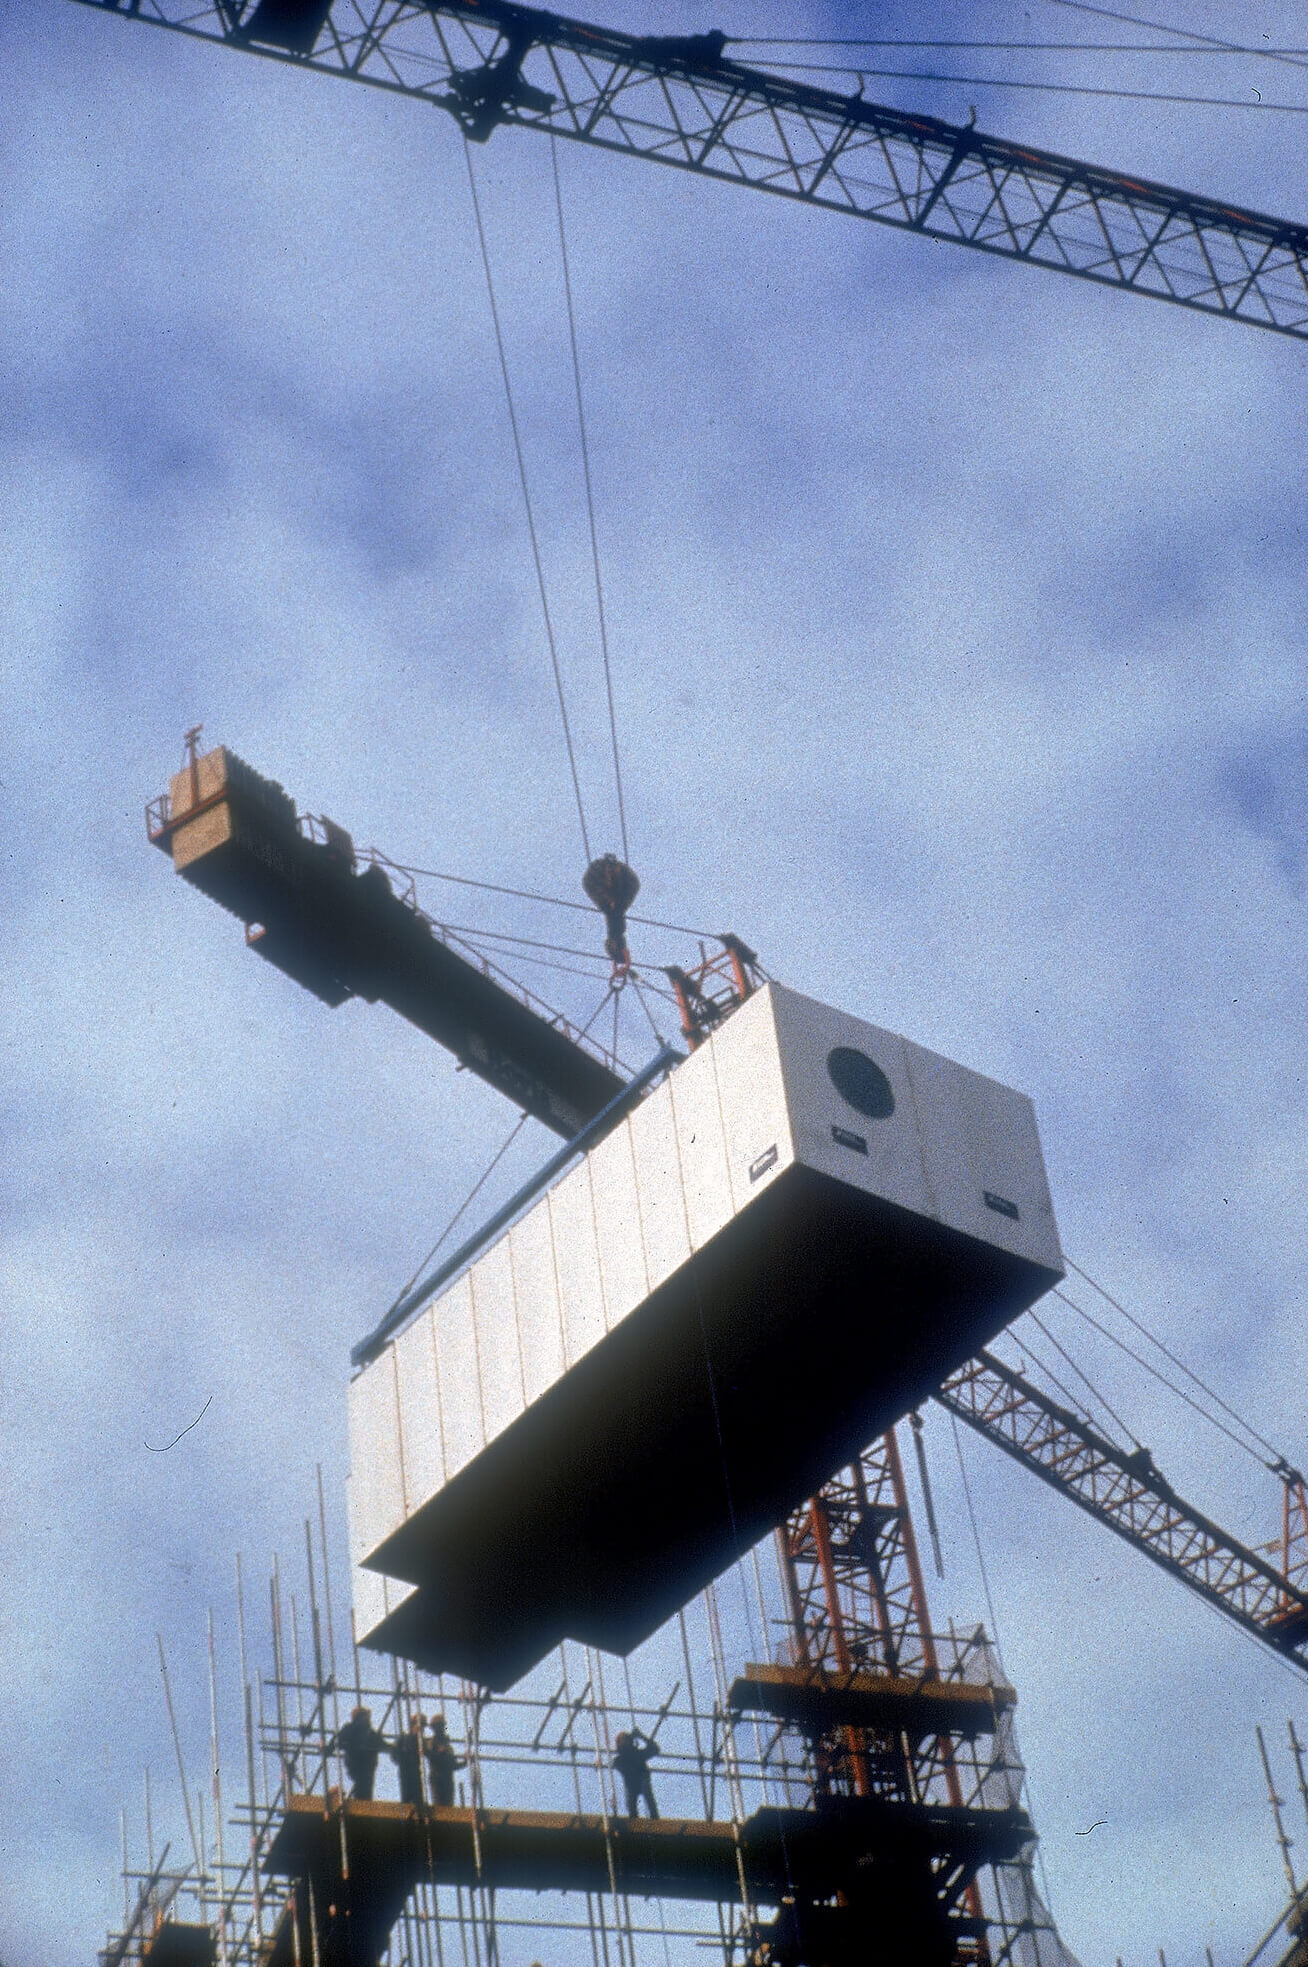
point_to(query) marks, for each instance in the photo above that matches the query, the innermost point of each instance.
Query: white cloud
(958, 618)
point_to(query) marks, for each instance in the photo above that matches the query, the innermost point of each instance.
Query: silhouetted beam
(342, 932)
(680, 100)
(176, 1944)
(1129, 1495)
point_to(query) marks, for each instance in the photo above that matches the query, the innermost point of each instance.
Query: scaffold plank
(390, 1847)
(817, 1701)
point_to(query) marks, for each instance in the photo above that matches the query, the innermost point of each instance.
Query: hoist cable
(590, 497)
(976, 1535)
(526, 496)
(994, 1635)
(1180, 1364)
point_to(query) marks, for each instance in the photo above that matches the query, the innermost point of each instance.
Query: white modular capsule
(783, 1249)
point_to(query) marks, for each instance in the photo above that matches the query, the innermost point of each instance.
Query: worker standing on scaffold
(360, 1745)
(406, 1753)
(442, 1762)
(632, 1755)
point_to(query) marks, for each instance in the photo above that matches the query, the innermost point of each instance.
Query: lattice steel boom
(681, 100)
(1127, 1493)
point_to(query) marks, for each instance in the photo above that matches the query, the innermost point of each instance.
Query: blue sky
(958, 616)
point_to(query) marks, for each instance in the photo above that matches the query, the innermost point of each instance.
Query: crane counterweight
(340, 930)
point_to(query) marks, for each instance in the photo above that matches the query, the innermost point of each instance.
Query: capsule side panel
(463, 1433)
(535, 1285)
(623, 1276)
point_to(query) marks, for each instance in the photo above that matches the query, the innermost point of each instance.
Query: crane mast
(681, 100)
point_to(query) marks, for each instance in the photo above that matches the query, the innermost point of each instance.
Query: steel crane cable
(994, 1629)
(1189, 41)
(462, 1209)
(590, 500)
(640, 999)
(526, 497)
(976, 1534)
(590, 496)
(1180, 1364)
(484, 1177)
(552, 901)
(526, 942)
(548, 963)
(1183, 33)
(1130, 1433)
(521, 945)
(1044, 88)
(1028, 1357)
(1275, 1466)
(933, 42)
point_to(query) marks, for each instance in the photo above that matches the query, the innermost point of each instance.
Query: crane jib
(1127, 1494)
(681, 100)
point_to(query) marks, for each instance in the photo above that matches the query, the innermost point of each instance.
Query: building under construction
(855, 1788)
(627, 1508)
(613, 1516)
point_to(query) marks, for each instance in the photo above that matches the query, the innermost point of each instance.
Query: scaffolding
(818, 1748)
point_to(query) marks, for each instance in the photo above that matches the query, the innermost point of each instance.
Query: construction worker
(442, 1762)
(632, 1754)
(406, 1753)
(360, 1746)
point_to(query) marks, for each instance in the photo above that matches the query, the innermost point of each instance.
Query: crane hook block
(613, 887)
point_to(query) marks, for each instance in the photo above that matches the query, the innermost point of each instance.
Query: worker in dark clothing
(632, 1754)
(406, 1753)
(360, 1746)
(442, 1762)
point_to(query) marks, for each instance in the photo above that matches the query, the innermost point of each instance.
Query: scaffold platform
(361, 1860)
(816, 1700)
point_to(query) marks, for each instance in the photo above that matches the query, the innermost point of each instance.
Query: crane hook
(612, 886)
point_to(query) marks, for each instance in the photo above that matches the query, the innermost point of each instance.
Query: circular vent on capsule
(860, 1081)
